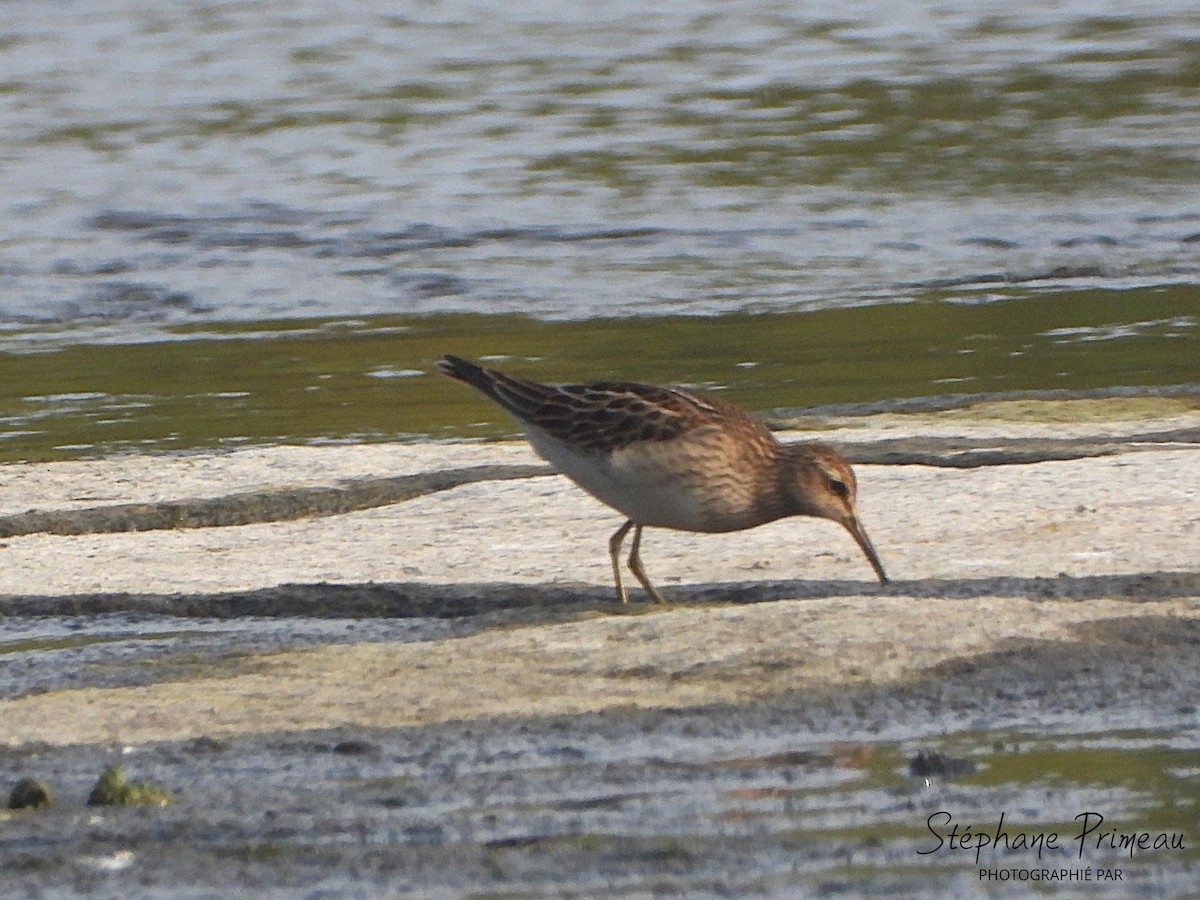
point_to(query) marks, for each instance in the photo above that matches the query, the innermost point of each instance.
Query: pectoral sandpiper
(665, 457)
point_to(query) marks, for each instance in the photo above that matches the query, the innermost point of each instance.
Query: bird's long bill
(860, 535)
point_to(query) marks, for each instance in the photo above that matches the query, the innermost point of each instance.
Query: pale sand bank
(1115, 537)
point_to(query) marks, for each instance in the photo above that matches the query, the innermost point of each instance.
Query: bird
(671, 457)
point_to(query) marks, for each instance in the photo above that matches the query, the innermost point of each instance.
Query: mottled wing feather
(520, 397)
(601, 416)
(606, 416)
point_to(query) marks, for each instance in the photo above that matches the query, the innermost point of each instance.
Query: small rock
(29, 793)
(205, 744)
(929, 763)
(356, 748)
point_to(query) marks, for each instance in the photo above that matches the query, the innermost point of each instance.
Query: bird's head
(821, 483)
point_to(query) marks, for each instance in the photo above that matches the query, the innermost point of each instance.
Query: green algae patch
(322, 380)
(114, 789)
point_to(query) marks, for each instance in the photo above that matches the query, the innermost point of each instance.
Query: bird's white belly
(652, 484)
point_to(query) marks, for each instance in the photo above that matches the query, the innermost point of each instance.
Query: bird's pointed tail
(467, 372)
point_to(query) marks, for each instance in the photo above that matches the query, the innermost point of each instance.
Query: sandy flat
(980, 558)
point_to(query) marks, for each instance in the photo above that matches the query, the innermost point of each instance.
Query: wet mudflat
(812, 791)
(438, 696)
(806, 795)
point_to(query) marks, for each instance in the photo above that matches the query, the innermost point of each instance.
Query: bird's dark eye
(839, 487)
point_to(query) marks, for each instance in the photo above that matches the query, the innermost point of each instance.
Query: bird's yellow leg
(614, 552)
(635, 566)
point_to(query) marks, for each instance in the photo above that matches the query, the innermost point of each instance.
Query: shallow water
(341, 380)
(168, 174)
